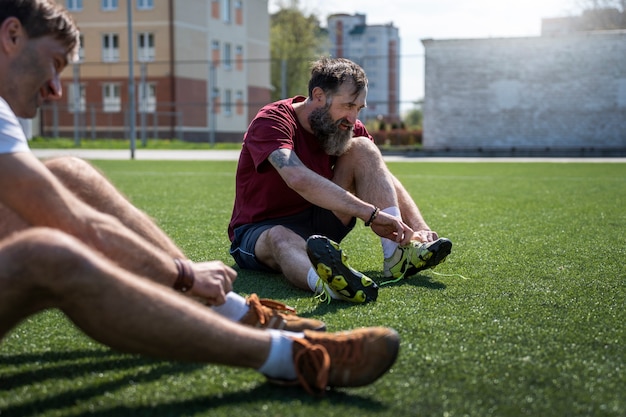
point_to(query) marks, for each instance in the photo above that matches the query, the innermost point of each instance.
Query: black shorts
(313, 221)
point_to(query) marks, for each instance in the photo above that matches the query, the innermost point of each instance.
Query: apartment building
(201, 69)
(377, 49)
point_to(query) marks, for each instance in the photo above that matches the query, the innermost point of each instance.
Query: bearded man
(307, 170)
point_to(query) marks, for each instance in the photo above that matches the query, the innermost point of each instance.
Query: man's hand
(425, 236)
(393, 228)
(213, 280)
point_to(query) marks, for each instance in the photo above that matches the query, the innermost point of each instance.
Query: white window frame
(82, 102)
(145, 4)
(110, 47)
(227, 11)
(109, 5)
(228, 56)
(147, 105)
(145, 53)
(74, 5)
(111, 98)
(228, 102)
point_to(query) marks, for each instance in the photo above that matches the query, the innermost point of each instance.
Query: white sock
(234, 308)
(279, 363)
(389, 246)
(312, 279)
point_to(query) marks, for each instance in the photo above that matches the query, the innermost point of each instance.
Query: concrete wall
(540, 92)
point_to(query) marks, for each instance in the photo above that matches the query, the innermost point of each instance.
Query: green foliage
(413, 119)
(295, 41)
(535, 327)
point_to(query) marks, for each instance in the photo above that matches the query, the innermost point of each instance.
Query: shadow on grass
(418, 280)
(59, 365)
(66, 365)
(274, 285)
(252, 399)
(55, 365)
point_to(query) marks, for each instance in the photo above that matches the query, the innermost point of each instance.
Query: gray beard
(333, 140)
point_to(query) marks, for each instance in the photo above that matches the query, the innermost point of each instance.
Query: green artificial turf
(527, 320)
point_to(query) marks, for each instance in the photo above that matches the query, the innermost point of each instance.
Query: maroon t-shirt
(260, 192)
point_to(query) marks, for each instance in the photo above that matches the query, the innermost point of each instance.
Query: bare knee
(39, 257)
(275, 243)
(364, 147)
(70, 168)
(66, 163)
(280, 236)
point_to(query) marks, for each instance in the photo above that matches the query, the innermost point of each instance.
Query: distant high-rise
(377, 49)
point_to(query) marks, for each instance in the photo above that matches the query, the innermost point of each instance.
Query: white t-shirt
(12, 137)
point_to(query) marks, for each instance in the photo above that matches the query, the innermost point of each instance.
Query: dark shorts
(313, 221)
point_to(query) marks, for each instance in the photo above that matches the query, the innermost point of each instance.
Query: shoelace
(316, 360)
(256, 304)
(324, 295)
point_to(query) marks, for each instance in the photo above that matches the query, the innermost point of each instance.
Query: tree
(413, 118)
(295, 41)
(603, 14)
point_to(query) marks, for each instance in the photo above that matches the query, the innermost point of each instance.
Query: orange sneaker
(345, 359)
(270, 314)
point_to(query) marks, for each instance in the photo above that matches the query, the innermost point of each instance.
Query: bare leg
(93, 188)
(285, 251)
(10, 222)
(43, 268)
(363, 171)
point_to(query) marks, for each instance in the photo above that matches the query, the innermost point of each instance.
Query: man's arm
(411, 214)
(31, 191)
(324, 193)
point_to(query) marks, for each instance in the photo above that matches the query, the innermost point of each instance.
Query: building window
(81, 48)
(74, 5)
(239, 102)
(147, 97)
(239, 57)
(239, 12)
(215, 9)
(227, 11)
(145, 46)
(110, 47)
(228, 64)
(111, 99)
(215, 53)
(71, 99)
(108, 4)
(216, 100)
(145, 4)
(228, 105)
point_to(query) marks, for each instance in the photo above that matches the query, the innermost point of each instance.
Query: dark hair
(330, 73)
(42, 18)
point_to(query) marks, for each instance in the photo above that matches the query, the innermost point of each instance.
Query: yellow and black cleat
(331, 265)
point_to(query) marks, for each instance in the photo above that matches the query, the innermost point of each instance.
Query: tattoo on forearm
(281, 160)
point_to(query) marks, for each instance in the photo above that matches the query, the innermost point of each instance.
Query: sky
(441, 19)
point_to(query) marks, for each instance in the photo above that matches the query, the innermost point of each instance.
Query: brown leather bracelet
(373, 216)
(186, 277)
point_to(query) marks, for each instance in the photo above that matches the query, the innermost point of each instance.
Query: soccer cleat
(416, 256)
(330, 263)
(345, 359)
(270, 314)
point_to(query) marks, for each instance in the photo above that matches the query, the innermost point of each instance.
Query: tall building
(377, 49)
(201, 68)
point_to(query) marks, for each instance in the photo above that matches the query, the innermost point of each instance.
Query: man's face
(333, 124)
(34, 75)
